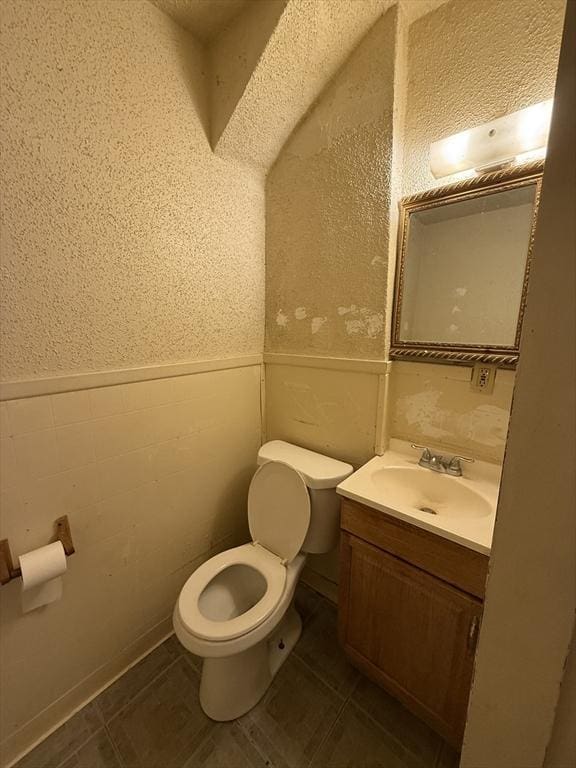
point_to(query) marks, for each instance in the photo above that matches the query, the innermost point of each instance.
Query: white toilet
(236, 610)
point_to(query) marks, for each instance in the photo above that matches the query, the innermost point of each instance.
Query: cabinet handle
(473, 634)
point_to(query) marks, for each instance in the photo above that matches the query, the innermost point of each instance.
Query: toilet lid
(279, 509)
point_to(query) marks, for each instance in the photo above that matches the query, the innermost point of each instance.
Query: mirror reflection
(464, 269)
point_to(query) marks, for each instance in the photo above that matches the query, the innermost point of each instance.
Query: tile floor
(319, 712)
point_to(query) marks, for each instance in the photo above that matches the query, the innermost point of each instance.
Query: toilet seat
(279, 509)
(252, 555)
(278, 517)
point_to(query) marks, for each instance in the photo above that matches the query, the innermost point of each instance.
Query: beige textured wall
(311, 41)
(328, 197)
(471, 61)
(327, 208)
(123, 236)
(234, 55)
(468, 62)
(125, 242)
(153, 477)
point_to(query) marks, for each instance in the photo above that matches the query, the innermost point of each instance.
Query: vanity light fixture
(517, 137)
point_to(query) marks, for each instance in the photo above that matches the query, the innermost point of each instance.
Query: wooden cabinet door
(411, 632)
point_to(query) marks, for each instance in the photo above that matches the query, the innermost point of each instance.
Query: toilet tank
(321, 474)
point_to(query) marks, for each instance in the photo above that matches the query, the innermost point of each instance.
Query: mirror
(462, 268)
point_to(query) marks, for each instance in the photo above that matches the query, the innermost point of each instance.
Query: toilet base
(233, 685)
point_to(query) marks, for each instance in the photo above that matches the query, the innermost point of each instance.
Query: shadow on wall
(193, 64)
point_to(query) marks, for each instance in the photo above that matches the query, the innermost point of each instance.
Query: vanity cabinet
(409, 613)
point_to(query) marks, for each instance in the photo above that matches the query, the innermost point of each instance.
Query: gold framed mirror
(462, 268)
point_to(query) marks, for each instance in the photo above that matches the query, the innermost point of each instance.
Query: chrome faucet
(447, 465)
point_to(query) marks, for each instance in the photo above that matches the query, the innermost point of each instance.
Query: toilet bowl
(236, 610)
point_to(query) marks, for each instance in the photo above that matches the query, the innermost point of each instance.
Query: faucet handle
(427, 453)
(454, 466)
(462, 458)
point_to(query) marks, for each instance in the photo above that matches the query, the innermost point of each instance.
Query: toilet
(236, 610)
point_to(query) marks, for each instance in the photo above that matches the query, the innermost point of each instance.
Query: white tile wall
(153, 476)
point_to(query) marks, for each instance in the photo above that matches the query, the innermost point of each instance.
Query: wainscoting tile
(164, 725)
(71, 407)
(30, 414)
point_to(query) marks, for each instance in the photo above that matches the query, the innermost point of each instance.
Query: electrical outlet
(483, 377)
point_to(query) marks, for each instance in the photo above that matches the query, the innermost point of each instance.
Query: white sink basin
(427, 491)
(462, 509)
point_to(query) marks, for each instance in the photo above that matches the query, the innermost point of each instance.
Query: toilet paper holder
(7, 569)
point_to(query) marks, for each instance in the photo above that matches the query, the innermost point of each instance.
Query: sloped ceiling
(271, 59)
(309, 43)
(204, 18)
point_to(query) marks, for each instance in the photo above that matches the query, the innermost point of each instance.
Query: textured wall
(123, 236)
(204, 19)
(468, 62)
(234, 55)
(312, 39)
(471, 61)
(125, 242)
(327, 207)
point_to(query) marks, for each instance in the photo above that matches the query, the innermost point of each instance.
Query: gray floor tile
(120, 693)
(319, 649)
(155, 720)
(61, 744)
(306, 602)
(227, 747)
(98, 752)
(194, 661)
(295, 715)
(164, 725)
(174, 645)
(402, 725)
(357, 742)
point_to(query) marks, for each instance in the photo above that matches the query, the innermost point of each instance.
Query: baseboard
(50, 719)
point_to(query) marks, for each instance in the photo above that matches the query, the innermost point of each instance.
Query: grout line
(398, 741)
(144, 688)
(329, 732)
(77, 748)
(319, 678)
(115, 747)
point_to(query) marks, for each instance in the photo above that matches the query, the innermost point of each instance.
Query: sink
(462, 509)
(429, 492)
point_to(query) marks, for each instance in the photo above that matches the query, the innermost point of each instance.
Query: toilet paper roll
(42, 570)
